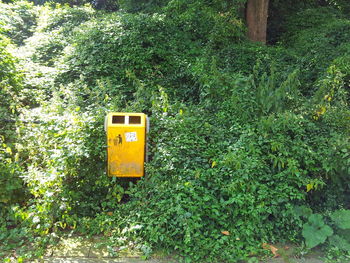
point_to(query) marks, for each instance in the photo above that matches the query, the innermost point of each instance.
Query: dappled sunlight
(248, 144)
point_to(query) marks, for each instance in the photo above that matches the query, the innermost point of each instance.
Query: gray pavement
(138, 260)
(83, 250)
(100, 260)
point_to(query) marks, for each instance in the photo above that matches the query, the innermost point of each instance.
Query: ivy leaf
(315, 231)
(341, 218)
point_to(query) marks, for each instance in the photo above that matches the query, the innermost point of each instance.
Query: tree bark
(256, 16)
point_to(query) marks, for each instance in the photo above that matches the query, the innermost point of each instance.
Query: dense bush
(12, 191)
(120, 48)
(9, 80)
(10, 85)
(54, 32)
(18, 20)
(323, 38)
(63, 18)
(214, 178)
(215, 170)
(242, 135)
(158, 49)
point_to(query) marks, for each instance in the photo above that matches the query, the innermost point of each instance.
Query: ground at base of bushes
(94, 250)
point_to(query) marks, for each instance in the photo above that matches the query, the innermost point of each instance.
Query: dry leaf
(226, 233)
(272, 248)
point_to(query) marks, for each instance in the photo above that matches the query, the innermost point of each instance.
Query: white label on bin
(131, 137)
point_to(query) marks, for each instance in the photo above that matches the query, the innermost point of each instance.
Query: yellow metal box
(126, 143)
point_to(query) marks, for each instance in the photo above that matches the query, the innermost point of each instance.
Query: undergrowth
(249, 144)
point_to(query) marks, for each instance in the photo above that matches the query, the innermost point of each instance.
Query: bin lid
(125, 119)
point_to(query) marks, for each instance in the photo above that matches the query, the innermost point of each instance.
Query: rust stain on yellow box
(126, 143)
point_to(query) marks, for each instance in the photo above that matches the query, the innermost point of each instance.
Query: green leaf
(315, 231)
(341, 218)
(339, 242)
(302, 210)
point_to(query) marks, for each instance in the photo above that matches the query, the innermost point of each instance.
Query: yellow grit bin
(126, 143)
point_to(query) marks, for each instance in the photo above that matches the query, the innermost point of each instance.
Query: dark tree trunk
(256, 17)
(99, 4)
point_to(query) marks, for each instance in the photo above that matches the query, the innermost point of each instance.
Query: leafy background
(249, 144)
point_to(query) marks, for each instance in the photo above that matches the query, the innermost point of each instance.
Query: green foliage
(12, 191)
(341, 218)
(205, 190)
(55, 29)
(18, 20)
(324, 38)
(342, 5)
(145, 6)
(9, 80)
(143, 47)
(10, 84)
(11, 183)
(71, 3)
(279, 14)
(244, 138)
(243, 59)
(310, 18)
(69, 159)
(63, 19)
(315, 231)
(216, 22)
(339, 242)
